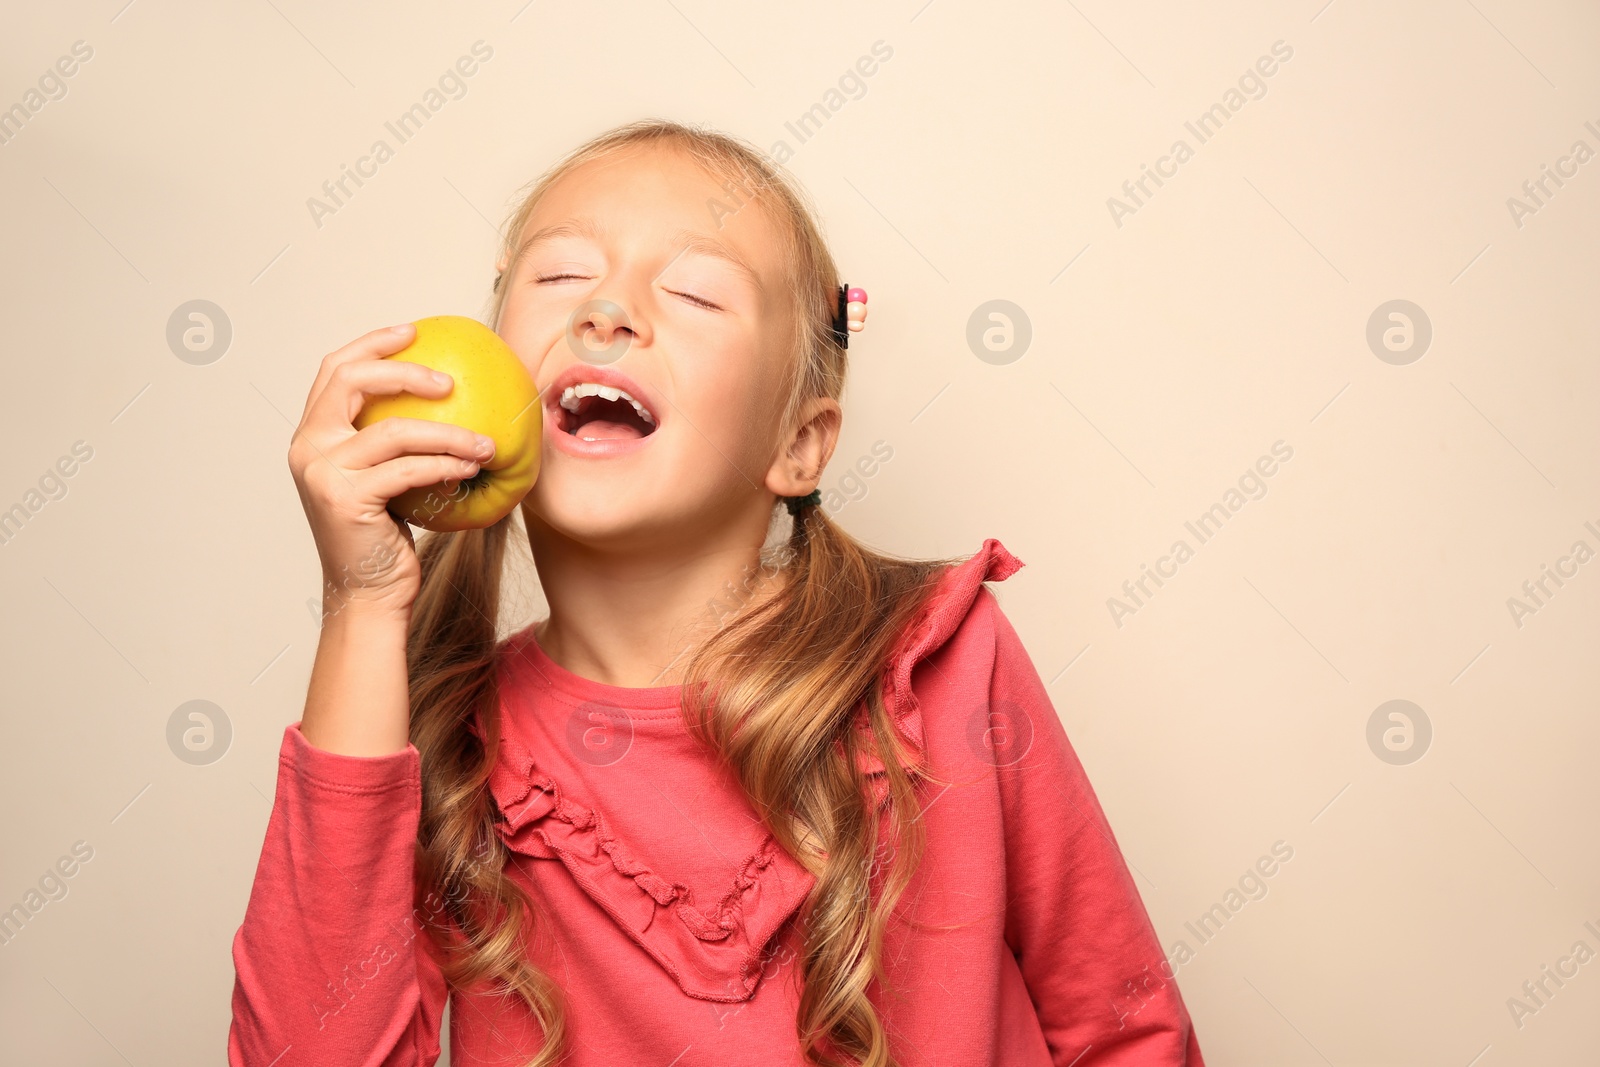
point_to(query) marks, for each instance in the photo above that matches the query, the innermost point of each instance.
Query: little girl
(739, 799)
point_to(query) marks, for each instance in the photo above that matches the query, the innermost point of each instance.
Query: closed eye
(695, 299)
(700, 301)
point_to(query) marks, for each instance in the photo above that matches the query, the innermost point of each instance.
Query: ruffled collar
(715, 937)
(927, 633)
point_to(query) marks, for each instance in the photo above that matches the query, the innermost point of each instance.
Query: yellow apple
(493, 395)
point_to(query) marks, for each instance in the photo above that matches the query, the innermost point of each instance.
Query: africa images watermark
(851, 86)
(1205, 126)
(1531, 600)
(1252, 886)
(336, 594)
(52, 87)
(434, 909)
(852, 484)
(1537, 192)
(52, 485)
(405, 126)
(52, 886)
(1536, 992)
(1204, 527)
(852, 82)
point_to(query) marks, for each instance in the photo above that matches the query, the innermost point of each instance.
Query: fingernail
(441, 377)
(485, 445)
(402, 328)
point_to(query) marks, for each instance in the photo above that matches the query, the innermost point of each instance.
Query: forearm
(357, 703)
(331, 960)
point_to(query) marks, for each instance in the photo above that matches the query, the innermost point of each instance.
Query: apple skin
(493, 395)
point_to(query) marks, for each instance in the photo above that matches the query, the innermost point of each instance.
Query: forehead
(660, 198)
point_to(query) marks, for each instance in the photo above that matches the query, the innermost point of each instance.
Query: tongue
(604, 430)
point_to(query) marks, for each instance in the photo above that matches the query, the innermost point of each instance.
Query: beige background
(1228, 312)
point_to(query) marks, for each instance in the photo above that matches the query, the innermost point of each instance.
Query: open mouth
(595, 412)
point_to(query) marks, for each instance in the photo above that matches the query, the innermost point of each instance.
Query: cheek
(735, 396)
(531, 334)
(728, 415)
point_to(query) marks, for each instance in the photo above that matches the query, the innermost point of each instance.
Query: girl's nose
(600, 331)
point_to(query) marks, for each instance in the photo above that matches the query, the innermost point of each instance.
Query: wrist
(365, 611)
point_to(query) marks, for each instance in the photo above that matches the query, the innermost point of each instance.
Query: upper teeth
(573, 393)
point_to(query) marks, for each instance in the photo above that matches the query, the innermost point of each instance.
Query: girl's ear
(800, 463)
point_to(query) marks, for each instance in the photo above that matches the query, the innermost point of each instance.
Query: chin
(595, 519)
(676, 518)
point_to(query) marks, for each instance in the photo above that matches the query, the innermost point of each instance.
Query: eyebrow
(709, 246)
(698, 243)
(580, 227)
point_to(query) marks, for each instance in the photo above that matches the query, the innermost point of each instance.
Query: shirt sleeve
(331, 962)
(1104, 992)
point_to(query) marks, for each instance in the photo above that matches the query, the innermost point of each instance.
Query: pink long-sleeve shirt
(665, 906)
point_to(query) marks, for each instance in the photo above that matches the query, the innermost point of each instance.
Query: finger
(327, 423)
(397, 436)
(388, 480)
(353, 383)
(373, 345)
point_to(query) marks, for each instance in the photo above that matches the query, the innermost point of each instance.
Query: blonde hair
(774, 692)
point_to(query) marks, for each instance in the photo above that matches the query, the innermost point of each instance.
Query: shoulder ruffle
(939, 619)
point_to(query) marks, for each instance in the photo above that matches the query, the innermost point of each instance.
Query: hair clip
(851, 315)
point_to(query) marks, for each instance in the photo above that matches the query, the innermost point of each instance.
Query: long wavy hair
(776, 690)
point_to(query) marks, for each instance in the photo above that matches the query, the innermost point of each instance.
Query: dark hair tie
(796, 503)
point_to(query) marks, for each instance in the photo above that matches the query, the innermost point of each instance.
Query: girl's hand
(347, 477)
